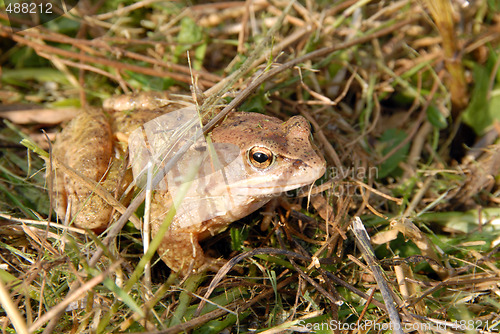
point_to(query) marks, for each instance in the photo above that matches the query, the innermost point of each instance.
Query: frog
(269, 157)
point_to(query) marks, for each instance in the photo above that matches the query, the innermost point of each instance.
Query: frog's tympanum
(258, 157)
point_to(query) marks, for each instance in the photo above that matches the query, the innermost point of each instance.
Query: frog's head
(277, 156)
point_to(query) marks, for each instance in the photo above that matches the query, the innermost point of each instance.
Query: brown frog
(258, 157)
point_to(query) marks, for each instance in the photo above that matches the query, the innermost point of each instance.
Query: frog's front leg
(180, 248)
(181, 251)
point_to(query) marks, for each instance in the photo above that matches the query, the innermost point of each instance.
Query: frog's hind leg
(86, 146)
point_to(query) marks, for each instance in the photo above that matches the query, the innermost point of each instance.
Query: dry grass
(404, 100)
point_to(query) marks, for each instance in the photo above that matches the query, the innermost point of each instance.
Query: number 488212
(29, 8)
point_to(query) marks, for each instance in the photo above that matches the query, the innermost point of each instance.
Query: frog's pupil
(260, 157)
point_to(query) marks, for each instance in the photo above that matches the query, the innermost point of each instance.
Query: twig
(51, 50)
(12, 311)
(363, 242)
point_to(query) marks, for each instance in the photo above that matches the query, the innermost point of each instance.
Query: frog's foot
(182, 252)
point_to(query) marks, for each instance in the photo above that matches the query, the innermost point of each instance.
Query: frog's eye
(260, 157)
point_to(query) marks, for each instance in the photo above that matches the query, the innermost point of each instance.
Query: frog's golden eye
(260, 157)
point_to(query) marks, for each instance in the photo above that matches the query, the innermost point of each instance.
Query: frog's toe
(214, 265)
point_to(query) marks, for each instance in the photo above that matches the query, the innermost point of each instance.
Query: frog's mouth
(266, 184)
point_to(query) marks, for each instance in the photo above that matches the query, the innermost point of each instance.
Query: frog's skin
(89, 145)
